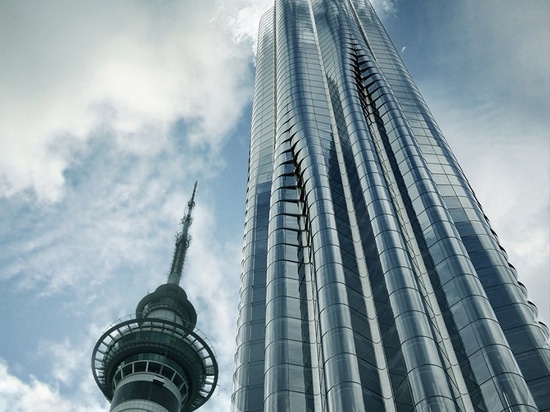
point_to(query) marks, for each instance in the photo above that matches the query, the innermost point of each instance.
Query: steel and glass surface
(372, 280)
(158, 361)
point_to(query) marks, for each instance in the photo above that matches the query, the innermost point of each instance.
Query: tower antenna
(183, 239)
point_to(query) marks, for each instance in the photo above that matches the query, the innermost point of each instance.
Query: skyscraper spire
(158, 360)
(182, 242)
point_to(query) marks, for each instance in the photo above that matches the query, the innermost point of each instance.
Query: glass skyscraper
(372, 280)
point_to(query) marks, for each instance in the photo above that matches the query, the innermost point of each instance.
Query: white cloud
(17, 395)
(67, 360)
(243, 16)
(385, 7)
(71, 67)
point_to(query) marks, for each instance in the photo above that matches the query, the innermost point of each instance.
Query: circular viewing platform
(160, 348)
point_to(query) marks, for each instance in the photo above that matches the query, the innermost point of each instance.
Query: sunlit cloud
(386, 7)
(134, 71)
(17, 395)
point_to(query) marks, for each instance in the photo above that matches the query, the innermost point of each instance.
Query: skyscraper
(158, 361)
(372, 280)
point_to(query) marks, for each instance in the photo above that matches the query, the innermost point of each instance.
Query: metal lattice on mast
(183, 239)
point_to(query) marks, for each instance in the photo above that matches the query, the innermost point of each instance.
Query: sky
(111, 110)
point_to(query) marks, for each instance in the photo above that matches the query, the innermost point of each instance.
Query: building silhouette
(372, 280)
(158, 361)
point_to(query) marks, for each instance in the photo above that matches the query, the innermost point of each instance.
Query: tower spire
(182, 243)
(158, 360)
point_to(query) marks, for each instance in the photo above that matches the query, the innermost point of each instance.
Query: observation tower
(158, 360)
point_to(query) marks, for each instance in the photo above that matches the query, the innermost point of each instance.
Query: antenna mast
(182, 243)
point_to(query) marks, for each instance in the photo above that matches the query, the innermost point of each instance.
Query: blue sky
(111, 111)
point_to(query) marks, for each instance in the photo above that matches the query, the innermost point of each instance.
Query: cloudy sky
(110, 110)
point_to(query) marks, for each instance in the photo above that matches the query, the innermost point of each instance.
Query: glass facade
(372, 279)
